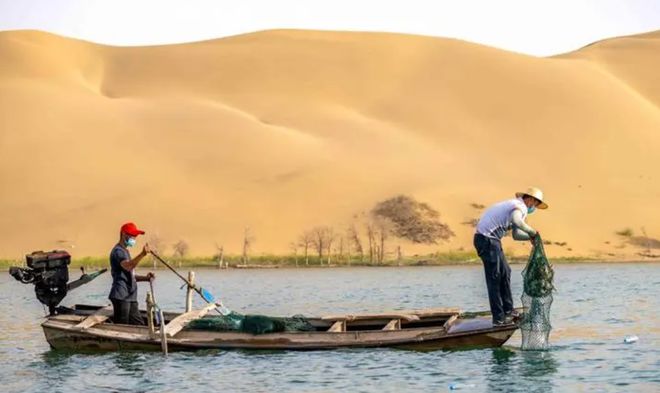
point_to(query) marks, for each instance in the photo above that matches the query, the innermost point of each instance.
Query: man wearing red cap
(123, 293)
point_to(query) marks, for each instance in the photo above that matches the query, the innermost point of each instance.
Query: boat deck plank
(178, 323)
(365, 317)
(99, 316)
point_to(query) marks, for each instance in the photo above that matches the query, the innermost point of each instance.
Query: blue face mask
(531, 209)
(130, 242)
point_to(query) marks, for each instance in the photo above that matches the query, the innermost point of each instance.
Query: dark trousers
(498, 275)
(126, 312)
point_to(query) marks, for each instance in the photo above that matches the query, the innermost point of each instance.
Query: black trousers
(126, 312)
(498, 275)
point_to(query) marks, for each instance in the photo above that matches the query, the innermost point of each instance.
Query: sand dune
(284, 130)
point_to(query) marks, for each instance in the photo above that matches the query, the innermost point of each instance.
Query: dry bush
(644, 241)
(412, 220)
(180, 249)
(626, 232)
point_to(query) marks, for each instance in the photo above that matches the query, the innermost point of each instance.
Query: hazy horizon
(535, 29)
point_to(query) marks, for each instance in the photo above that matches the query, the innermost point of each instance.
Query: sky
(538, 28)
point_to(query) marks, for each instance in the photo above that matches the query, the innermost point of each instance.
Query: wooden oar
(206, 295)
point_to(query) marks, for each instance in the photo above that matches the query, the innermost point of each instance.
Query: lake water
(595, 307)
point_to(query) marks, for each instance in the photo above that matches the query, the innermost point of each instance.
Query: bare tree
(294, 248)
(248, 240)
(647, 241)
(354, 238)
(321, 239)
(371, 236)
(305, 241)
(180, 250)
(157, 245)
(383, 230)
(330, 238)
(340, 252)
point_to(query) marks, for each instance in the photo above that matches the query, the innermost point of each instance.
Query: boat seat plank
(394, 324)
(434, 312)
(339, 326)
(408, 315)
(448, 324)
(178, 323)
(69, 317)
(98, 316)
(362, 317)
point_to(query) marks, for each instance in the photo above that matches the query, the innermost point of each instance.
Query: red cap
(130, 229)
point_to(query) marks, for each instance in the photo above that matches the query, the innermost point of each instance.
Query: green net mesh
(253, 324)
(536, 299)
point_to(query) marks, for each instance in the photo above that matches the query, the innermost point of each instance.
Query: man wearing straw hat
(492, 227)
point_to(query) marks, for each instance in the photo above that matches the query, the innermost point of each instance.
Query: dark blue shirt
(124, 285)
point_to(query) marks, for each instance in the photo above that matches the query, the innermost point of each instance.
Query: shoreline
(99, 263)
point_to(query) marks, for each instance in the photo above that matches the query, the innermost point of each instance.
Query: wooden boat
(87, 327)
(91, 327)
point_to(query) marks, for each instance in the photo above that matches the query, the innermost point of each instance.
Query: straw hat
(535, 193)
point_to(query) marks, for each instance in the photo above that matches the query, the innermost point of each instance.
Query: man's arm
(131, 264)
(148, 277)
(521, 231)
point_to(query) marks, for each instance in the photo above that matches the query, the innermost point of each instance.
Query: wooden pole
(150, 314)
(189, 292)
(163, 334)
(161, 318)
(221, 257)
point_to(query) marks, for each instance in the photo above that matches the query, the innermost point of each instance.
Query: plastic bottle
(224, 310)
(630, 339)
(457, 386)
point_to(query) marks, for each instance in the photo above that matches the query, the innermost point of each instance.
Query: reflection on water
(538, 364)
(502, 360)
(129, 363)
(511, 369)
(55, 359)
(591, 314)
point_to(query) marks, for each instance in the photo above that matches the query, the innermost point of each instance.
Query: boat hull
(110, 337)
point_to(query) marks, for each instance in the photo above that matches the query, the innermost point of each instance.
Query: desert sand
(280, 131)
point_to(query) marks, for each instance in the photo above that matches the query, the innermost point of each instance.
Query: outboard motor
(49, 272)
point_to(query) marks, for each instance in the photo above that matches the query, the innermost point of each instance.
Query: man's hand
(147, 277)
(146, 249)
(533, 238)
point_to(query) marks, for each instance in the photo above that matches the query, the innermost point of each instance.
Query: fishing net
(253, 324)
(536, 299)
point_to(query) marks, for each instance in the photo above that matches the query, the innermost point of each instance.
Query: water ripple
(594, 308)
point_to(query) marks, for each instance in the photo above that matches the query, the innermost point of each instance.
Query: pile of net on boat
(537, 298)
(253, 324)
